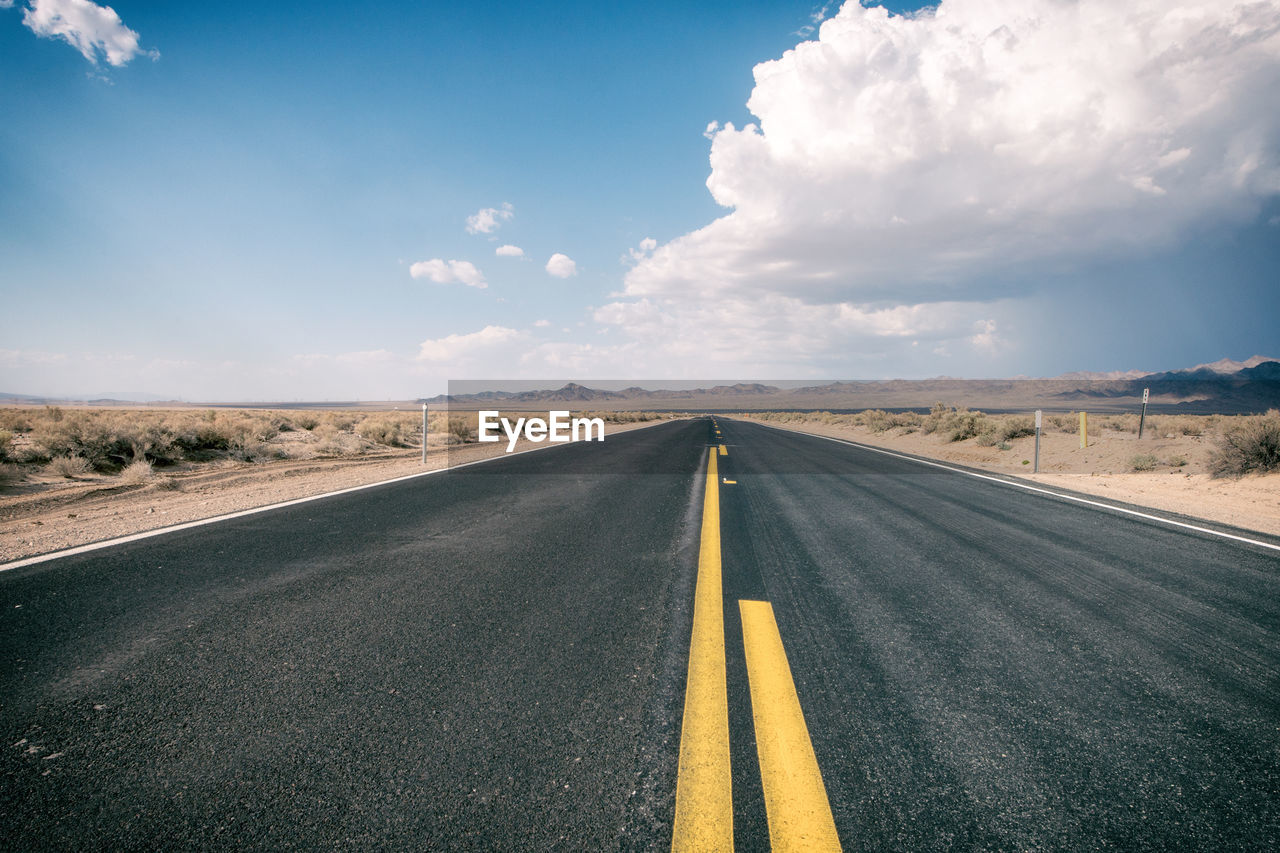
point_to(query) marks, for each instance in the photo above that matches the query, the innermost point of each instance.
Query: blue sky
(271, 201)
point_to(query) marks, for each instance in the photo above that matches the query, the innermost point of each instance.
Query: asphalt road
(495, 658)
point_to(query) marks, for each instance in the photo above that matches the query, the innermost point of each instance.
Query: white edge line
(1028, 488)
(187, 525)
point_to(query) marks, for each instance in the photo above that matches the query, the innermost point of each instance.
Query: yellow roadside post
(1084, 430)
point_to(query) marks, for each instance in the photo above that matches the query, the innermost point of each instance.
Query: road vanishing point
(708, 634)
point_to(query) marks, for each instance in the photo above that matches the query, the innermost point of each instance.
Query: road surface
(497, 658)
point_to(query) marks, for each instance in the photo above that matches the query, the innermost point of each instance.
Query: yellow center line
(704, 788)
(724, 451)
(795, 798)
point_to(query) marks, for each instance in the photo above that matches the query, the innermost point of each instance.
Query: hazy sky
(249, 200)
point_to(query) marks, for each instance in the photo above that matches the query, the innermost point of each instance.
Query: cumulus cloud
(509, 252)
(562, 266)
(781, 335)
(447, 272)
(459, 349)
(96, 31)
(489, 219)
(906, 161)
(542, 324)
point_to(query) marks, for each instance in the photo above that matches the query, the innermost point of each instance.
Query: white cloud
(542, 324)
(984, 337)
(447, 272)
(459, 349)
(815, 18)
(779, 334)
(509, 252)
(562, 266)
(96, 31)
(489, 219)
(647, 245)
(912, 160)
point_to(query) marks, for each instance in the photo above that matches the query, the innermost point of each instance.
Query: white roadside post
(1142, 420)
(424, 433)
(1039, 418)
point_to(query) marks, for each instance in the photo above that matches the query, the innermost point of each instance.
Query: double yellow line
(795, 797)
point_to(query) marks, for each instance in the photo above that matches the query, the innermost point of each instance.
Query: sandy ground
(48, 514)
(1103, 469)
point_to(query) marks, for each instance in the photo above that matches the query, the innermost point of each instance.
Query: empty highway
(704, 634)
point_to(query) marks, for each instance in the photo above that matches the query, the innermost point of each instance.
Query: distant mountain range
(1223, 366)
(1224, 386)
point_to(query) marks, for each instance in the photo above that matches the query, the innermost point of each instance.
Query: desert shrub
(68, 466)
(615, 417)
(106, 442)
(247, 435)
(989, 438)
(957, 424)
(1191, 425)
(341, 421)
(908, 420)
(155, 443)
(385, 431)
(6, 438)
(878, 420)
(198, 435)
(934, 419)
(622, 417)
(1004, 445)
(967, 425)
(1251, 446)
(1016, 427)
(306, 420)
(1177, 461)
(1143, 462)
(257, 451)
(15, 420)
(169, 484)
(461, 431)
(136, 472)
(9, 475)
(1063, 423)
(338, 444)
